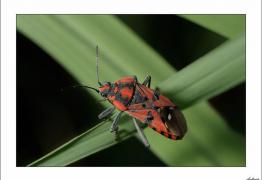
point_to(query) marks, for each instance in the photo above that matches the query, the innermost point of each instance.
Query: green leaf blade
(71, 40)
(216, 72)
(89, 142)
(229, 26)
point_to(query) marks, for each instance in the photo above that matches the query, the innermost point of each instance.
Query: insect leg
(97, 74)
(141, 134)
(156, 94)
(107, 112)
(135, 78)
(147, 81)
(114, 126)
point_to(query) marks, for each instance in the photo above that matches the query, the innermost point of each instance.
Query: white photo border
(9, 10)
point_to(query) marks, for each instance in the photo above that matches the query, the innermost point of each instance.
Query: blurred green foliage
(71, 40)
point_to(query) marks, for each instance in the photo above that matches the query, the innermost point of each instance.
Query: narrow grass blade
(94, 139)
(217, 71)
(229, 26)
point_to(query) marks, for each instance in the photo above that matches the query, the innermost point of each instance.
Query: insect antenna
(97, 74)
(81, 86)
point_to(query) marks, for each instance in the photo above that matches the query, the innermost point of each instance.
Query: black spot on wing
(145, 98)
(149, 118)
(137, 98)
(125, 85)
(121, 99)
(156, 94)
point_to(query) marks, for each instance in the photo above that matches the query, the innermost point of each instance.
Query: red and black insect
(142, 103)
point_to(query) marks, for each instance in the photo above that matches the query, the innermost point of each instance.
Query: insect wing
(167, 120)
(158, 100)
(155, 122)
(174, 120)
(144, 91)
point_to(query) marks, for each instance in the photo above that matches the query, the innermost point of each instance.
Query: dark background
(47, 117)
